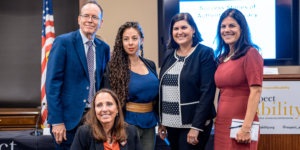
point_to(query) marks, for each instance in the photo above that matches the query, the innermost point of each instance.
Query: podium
(280, 141)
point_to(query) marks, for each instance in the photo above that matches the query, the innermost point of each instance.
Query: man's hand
(59, 132)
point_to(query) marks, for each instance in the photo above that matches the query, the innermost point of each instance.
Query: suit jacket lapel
(125, 147)
(99, 145)
(80, 51)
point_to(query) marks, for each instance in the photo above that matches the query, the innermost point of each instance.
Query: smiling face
(183, 33)
(230, 31)
(90, 20)
(132, 41)
(106, 108)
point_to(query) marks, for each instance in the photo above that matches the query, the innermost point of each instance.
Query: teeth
(228, 35)
(180, 37)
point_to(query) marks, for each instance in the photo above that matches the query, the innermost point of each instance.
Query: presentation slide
(260, 15)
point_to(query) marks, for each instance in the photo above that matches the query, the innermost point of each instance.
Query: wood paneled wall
(279, 142)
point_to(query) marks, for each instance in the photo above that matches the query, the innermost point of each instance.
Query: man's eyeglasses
(87, 17)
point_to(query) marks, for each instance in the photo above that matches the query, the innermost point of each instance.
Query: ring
(193, 141)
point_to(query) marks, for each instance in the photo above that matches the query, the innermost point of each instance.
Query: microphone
(36, 132)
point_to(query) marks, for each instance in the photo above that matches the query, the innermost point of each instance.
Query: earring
(117, 114)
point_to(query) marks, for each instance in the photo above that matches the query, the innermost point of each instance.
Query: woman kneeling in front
(105, 128)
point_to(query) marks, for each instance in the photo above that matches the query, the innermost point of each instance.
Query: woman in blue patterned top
(187, 87)
(135, 81)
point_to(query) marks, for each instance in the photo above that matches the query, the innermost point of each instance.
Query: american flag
(47, 40)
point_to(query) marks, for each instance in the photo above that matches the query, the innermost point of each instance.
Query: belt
(139, 107)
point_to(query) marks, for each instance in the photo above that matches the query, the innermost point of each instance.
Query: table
(25, 140)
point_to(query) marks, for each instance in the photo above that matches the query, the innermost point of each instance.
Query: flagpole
(48, 36)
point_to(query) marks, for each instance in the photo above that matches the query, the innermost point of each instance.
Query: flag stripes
(48, 36)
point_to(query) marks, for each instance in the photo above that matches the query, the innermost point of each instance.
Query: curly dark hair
(118, 129)
(119, 65)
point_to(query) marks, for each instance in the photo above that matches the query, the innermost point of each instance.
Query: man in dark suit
(76, 64)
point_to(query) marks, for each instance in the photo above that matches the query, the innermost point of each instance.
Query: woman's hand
(162, 131)
(243, 136)
(192, 137)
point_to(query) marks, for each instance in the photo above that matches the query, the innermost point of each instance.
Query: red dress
(234, 78)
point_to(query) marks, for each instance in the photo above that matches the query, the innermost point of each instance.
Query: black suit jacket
(84, 140)
(196, 86)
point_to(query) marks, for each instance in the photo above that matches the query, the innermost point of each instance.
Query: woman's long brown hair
(119, 65)
(117, 130)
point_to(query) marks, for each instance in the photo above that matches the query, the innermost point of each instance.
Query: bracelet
(246, 131)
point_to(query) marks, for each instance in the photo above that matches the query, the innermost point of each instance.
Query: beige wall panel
(117, 12)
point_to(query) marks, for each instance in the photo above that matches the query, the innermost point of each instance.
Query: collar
(184, 57)
(85, 39)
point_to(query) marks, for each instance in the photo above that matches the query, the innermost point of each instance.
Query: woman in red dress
(239, 77)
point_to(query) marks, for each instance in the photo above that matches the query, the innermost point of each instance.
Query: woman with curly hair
(134, 79)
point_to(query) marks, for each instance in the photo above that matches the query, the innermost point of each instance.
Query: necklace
(228, 58)
(186, 53)
(136, 63)
(183, 53)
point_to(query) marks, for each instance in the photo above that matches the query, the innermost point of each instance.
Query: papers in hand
(236, 125)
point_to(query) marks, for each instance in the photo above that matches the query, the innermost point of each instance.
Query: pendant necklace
(228, 58)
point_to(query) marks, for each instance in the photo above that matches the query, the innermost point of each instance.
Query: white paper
(270, 70)
(46, 131)
(238, 122)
